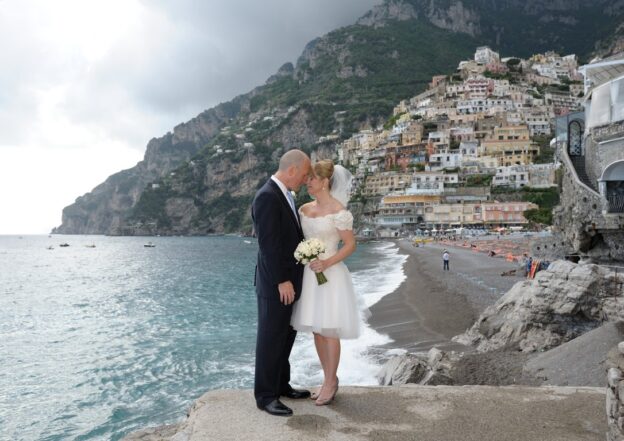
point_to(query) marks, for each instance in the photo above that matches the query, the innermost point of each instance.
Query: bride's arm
(349, 245)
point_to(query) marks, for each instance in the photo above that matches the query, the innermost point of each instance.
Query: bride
(331, 310)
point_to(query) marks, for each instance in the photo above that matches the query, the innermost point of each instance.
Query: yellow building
(396, 211)
(511, 145)
(454, 215)
(386, 182)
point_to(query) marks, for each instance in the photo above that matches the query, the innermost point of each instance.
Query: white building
(485, 55)
(518, 176)
(486, 105)
(539, 124)
(513, 177)
(424, 183)
(469, 149)
(441, 161)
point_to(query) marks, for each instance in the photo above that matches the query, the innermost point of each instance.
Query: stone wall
(599, 156)
(581, 220)
(615, 393)
(578, 214)
(553, 247)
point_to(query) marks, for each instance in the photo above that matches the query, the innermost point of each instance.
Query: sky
(85, 84)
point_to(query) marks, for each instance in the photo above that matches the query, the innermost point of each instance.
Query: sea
(107, 336)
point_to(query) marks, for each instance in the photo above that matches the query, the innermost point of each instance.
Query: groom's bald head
(294, 167)
(291, 158)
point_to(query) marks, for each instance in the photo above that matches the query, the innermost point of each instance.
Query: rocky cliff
(106, 208)
(513, 26)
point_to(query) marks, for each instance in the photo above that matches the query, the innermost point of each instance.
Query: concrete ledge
(444, 413)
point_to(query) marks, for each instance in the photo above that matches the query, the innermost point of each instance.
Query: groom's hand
(287, 292)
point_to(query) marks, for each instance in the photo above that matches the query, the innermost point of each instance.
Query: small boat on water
(64, 245)
(90, 246)
(149, 245)
(50, 247)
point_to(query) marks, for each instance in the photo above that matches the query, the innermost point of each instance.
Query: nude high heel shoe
(314, 395)
(327, 401)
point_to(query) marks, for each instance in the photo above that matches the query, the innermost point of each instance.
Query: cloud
(84, 76)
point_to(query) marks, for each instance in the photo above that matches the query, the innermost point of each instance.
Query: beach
(431, 306)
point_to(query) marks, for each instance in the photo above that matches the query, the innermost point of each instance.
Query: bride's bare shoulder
(305, 208)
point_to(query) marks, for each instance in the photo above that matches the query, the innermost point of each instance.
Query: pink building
(506, 213)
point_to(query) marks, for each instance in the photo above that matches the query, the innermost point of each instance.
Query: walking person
(445, 260)
(278, 281)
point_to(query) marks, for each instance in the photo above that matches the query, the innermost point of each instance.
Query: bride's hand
(318, 266)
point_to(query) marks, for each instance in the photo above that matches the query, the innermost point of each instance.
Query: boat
(90, 246)
(64, 245)
(50, 247)
(149, 245)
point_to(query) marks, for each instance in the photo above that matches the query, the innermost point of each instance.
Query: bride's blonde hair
(324, 169)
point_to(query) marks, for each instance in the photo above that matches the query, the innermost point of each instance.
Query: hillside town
(450, 157)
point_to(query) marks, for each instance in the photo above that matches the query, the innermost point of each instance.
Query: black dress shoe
(296, 394)
(276, 407)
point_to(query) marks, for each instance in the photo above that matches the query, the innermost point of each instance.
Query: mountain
(514, 27)
(200, 179)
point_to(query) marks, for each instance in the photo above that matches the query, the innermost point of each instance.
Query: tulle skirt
(332, 309)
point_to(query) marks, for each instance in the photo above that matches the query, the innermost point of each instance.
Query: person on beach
(331, 310)
(278, 279)
(527, 266)
(445, 260)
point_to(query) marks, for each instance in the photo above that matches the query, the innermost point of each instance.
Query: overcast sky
(84, 84)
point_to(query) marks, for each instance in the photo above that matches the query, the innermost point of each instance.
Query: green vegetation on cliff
(349, 79)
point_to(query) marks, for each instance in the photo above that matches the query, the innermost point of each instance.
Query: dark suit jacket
(279, 232)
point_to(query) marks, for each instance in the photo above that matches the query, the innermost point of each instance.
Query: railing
(570, 166)
(616, 203)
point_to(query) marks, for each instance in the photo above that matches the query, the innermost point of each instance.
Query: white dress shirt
(287, 195)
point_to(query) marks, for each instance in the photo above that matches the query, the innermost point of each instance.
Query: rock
(561, 303)
(612, 406)
(434, 356)
(410, 368)
(161, 433)
(402, 369)
(613, 377)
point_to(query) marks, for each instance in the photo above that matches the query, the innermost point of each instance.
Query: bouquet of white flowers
(307, 251)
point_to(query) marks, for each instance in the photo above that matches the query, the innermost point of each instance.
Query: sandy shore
(431, 306)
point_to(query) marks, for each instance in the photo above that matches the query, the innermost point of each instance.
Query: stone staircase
(579, 165)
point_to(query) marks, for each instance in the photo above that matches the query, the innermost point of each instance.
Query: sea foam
(358, 365)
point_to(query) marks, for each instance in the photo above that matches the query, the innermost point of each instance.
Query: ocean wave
(358, 364)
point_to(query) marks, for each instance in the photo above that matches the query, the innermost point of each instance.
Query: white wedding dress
(331, 309)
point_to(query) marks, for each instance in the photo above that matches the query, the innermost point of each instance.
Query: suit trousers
(273, 345)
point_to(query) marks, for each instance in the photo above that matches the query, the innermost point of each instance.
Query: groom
(278, 281)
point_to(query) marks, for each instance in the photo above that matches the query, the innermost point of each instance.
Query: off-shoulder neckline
(320, 217)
